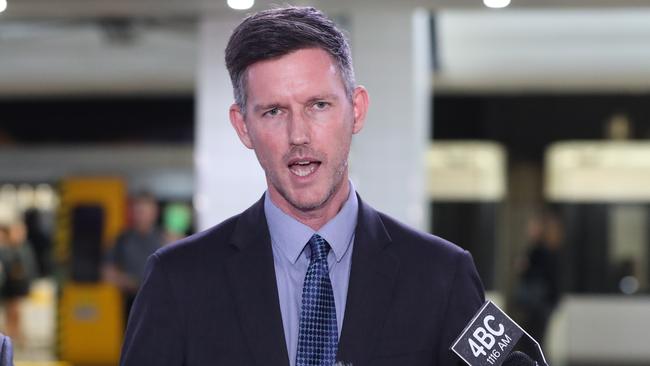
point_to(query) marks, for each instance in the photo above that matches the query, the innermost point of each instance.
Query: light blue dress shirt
(291, 254)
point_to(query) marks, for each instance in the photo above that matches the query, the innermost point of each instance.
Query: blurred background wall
(518, 133)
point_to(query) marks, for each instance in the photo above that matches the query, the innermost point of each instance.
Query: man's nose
(299, 129)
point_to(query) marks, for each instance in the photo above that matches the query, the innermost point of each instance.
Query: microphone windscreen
(518, 358)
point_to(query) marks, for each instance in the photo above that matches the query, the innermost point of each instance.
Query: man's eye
(321, 105)
(272, 112)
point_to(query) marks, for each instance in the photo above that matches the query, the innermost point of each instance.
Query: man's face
(145, 213)
(300, 122)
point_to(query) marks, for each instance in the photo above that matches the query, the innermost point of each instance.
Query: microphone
(493, 339)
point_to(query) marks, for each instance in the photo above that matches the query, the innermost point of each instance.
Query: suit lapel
(372, 278)
(251, 275)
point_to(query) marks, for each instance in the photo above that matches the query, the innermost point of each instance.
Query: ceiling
(29, 9)
(62, 47)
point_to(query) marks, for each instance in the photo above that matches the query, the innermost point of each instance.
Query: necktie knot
(319, 248)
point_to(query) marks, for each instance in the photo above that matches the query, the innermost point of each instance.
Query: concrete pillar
(228, 177)
(392, 57)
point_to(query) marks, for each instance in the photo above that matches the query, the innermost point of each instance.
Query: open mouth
(303, 167)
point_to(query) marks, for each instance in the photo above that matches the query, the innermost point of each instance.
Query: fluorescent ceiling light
(239, 4)
(496, 4)
(3, 5)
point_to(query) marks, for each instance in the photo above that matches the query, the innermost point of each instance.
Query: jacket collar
(370, 290)
(251, 276)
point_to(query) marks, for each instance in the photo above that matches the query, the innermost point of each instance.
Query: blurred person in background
(39, 240)
(124, 263)
(538, 291)
(19, 268)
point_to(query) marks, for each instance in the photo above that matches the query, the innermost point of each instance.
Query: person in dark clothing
(539, 288)
(39, 240)
(19, 268)
(125, 261)
(310, 274)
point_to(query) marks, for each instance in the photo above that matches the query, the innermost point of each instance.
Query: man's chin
(307, 205)
(308, 199)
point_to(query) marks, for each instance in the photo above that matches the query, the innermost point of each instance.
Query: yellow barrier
(109, 193)
(91, 324)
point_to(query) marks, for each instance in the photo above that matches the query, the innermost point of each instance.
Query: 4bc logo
(486, 337)
(489, 337)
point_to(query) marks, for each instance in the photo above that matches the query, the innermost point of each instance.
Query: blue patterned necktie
(318, 335)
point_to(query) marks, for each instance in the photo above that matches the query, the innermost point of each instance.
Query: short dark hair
(274, 33)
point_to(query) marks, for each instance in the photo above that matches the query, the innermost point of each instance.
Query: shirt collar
(291, 236)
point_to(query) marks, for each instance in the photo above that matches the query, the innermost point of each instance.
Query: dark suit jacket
(212, 298)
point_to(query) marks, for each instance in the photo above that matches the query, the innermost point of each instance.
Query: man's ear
(239, 124)
(360, 101)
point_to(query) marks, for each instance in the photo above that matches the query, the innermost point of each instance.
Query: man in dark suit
(310, 274)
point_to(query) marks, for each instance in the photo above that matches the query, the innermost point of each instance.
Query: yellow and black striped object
(91, 316)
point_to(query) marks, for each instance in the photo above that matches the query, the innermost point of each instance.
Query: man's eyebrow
(315, 98)
(262, 107)
(323, 97)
